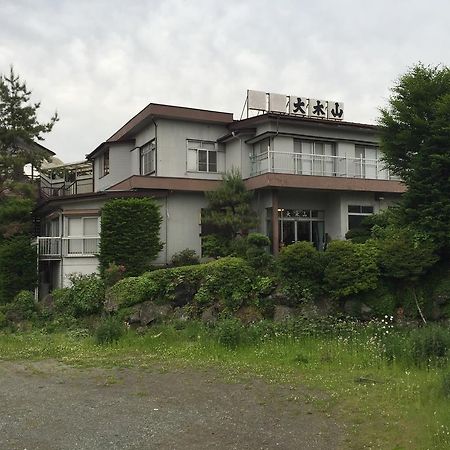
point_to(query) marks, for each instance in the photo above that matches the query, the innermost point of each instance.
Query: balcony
(59, 247)
(68, 179)
(319, 165)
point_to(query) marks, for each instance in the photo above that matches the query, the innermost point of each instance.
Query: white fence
(319, 165)
(58, 247)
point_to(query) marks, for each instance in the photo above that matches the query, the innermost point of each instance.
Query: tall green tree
(229, 215)
(19, 129)
(415, 139)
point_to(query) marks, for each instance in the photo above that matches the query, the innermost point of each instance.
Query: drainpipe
(167, 226)
(156, 146)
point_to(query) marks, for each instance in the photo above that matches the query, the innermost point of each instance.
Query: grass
(386, 402)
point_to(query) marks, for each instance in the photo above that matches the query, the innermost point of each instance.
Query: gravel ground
(47, 406)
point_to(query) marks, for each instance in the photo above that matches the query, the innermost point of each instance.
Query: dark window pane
(202, 161)
(212, 161)
(355, 221)
(354, 209)
(367, 209)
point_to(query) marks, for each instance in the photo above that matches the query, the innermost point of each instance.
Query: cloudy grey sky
(99, 62)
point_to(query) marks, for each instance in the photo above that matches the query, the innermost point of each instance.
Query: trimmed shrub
(186, 257)
(130, 234)
(300, 267)
(109, 331)
(350, 268)
(84, 297)
(256, 254)
(227, 281)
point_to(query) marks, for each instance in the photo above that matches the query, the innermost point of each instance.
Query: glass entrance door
(302, 225)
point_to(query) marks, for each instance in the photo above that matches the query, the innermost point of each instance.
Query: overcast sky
(99, 62)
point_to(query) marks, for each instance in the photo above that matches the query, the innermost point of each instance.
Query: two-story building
(312, 179)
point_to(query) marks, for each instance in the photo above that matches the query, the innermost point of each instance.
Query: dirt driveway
(48, 406)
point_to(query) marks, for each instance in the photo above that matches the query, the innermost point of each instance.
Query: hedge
(130, 234)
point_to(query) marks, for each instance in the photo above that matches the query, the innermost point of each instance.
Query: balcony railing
(319, 165)
(58, 247)
(52, 188)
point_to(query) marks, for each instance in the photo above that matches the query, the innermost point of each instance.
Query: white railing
(319, 165)
(58, 247)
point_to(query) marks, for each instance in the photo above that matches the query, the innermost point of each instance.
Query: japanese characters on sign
(295, 105)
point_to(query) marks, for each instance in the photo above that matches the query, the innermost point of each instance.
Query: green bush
(109, 331)
(24, 303)
(430, 345)
(131, 291)
(350, 268)
(382, 300)
(300, 267)
(404, 255)
(3, 320)
(256, 253)
(130, 234)
(113, 274)
(186, 257)
(229, 333)
(227, 281)
(446, 384)
(159, 285)
(84, 297)
(18, 267)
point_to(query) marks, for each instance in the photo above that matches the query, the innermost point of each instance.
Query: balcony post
(275, 225)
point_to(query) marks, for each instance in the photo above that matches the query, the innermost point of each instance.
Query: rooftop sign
(294, 105)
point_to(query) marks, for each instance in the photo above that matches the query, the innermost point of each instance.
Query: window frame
(104, 164)
(360, 213)
(197, 146)
(149, 148)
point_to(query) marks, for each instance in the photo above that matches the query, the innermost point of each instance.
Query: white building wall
(77, 265)
(172, 136)
(119, 166)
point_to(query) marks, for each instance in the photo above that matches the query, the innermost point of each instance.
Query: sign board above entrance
(294, 105)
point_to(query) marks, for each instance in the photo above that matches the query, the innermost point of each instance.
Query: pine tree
(229, 215)
(19, 129)
(415, 139)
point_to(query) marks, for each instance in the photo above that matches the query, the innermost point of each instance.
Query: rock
(150, 312)
(283, 312)
(183, 295)
(249, 314)
(366, 311)
(147, 313)
(181, 313)
(211, 314)
(352, 307)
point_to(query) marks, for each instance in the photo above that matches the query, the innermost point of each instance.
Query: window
(366, 162)
(148, 158)
(104, 163)
(315, 158)
(202, 156)
(302, 225)
(356, 214)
